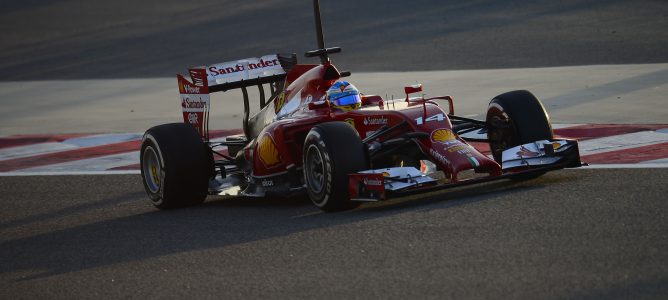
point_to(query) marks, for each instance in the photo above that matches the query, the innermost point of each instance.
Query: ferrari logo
(350, 121)
(278, 104)
(154, 174)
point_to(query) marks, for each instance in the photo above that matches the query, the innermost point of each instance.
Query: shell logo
(442, 135)
(268, 152)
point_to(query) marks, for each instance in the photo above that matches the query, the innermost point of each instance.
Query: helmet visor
(348, 100)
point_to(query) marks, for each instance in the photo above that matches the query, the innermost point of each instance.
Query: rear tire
(331, 152)
(516, 118)
(176, 165)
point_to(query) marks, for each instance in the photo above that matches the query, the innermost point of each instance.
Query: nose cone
(454, 156)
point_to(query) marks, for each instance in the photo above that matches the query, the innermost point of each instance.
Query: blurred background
(77, 39)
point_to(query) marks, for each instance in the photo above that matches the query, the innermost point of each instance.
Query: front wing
(524, 160)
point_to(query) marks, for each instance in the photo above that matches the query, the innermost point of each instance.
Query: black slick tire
(176, 165)
(332, 151)
(516, 118)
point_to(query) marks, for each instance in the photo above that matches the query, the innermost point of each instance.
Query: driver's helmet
(344, 95)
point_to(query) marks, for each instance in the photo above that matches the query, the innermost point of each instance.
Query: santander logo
(221, 70)
(374, 182)
(190, 103)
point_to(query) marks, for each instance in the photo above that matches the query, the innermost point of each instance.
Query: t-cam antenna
(322, 52)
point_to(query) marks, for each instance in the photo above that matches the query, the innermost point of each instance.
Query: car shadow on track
(218, 223)
(75, 209)
(215, 201)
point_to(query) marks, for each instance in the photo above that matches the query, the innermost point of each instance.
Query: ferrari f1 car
(299, 142)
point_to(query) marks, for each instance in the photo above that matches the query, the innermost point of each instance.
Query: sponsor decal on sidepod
(442, 135)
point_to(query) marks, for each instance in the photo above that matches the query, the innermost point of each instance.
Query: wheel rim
(503, 133)
(151, 169)
(315, 169)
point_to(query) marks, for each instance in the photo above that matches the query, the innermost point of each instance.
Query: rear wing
(239, 74)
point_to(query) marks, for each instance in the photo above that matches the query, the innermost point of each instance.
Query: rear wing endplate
(240, 74)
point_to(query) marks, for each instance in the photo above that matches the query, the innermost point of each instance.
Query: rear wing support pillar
(244, 91)
(274, 87)
(261, 88)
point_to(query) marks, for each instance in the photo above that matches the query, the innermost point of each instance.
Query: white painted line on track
(68, 144)
(117, 163)
(621, 142)
(120, 172)
(643, 165)
(559, 126)
(103, 139)
(34, 149)
(97, 164)
(657, 161)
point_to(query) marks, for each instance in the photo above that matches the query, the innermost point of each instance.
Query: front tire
(176, 165)
(516, 118)
(331, 152)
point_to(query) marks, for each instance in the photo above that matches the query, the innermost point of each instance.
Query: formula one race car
(317, 134)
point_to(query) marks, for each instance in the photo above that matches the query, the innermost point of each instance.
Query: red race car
(316, 133)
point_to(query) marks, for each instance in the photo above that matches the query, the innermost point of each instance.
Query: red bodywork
(404, 141)
(278, 147)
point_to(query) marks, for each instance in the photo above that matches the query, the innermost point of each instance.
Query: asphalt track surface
(571, 234)
(575, 234)
(75, 39)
